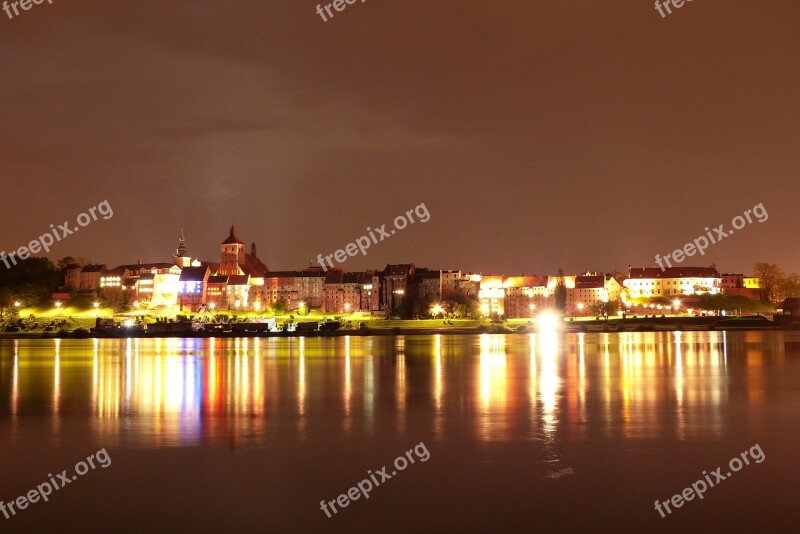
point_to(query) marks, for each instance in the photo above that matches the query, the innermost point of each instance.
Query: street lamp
(17, 304)
(96, 304)
(436, 309)
(347, 307)
(212, 305)
(58, 304)
(580, 308)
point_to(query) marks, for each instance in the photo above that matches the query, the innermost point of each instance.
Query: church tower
(231, 254)
(180, 258)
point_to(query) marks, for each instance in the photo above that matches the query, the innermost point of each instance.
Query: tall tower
(231, 254)
(181, 259)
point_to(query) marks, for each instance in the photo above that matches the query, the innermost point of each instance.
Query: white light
(547, 321)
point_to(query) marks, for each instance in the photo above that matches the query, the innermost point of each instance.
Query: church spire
(182, 250)
(253, 249)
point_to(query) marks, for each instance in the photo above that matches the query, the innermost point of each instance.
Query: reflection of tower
(180, 258)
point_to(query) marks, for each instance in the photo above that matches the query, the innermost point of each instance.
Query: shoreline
(653, 324)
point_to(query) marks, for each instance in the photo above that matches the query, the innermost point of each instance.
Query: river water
(518, 433)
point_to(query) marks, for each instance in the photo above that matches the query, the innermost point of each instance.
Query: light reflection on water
(538, 387)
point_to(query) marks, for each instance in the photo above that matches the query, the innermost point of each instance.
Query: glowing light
(547, 321)
(347, 306)
(58, 304)
(136, 304)
(96, 305)
(676, 303)
(436, 309)
(17, 304)
(128, 323)
(212, 305)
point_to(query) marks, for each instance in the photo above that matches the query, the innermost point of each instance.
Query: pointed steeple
(181, 252)
(233, 237)
(253, 249)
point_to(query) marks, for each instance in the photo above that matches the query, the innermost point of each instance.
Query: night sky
(539, 134)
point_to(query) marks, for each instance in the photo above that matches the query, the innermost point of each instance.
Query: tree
(768, 275)
(30, 281)
(560, 293)
(278, 307)
(787, 287)
(460, 304)
(605, 309)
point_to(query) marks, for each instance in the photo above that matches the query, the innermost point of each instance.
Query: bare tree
(768, 275)
(788, 287)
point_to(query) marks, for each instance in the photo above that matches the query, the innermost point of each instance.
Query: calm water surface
(546, 432)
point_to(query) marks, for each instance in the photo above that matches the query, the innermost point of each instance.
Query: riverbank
(428, 327)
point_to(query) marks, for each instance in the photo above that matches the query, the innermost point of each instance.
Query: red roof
(674, 272)
(233, 238)
(590, 282)
(253, 266)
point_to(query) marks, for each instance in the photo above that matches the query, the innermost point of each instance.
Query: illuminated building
(89, 278)
(165, 289)
(192, 288)
(739, 285)
(591, 290)
(293, 287)
(217, 292)
(351, 292)
(395, 283)
(246, 273)
(513, 296)
(648, 282)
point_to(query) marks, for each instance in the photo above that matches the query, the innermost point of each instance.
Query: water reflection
(540, 387)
